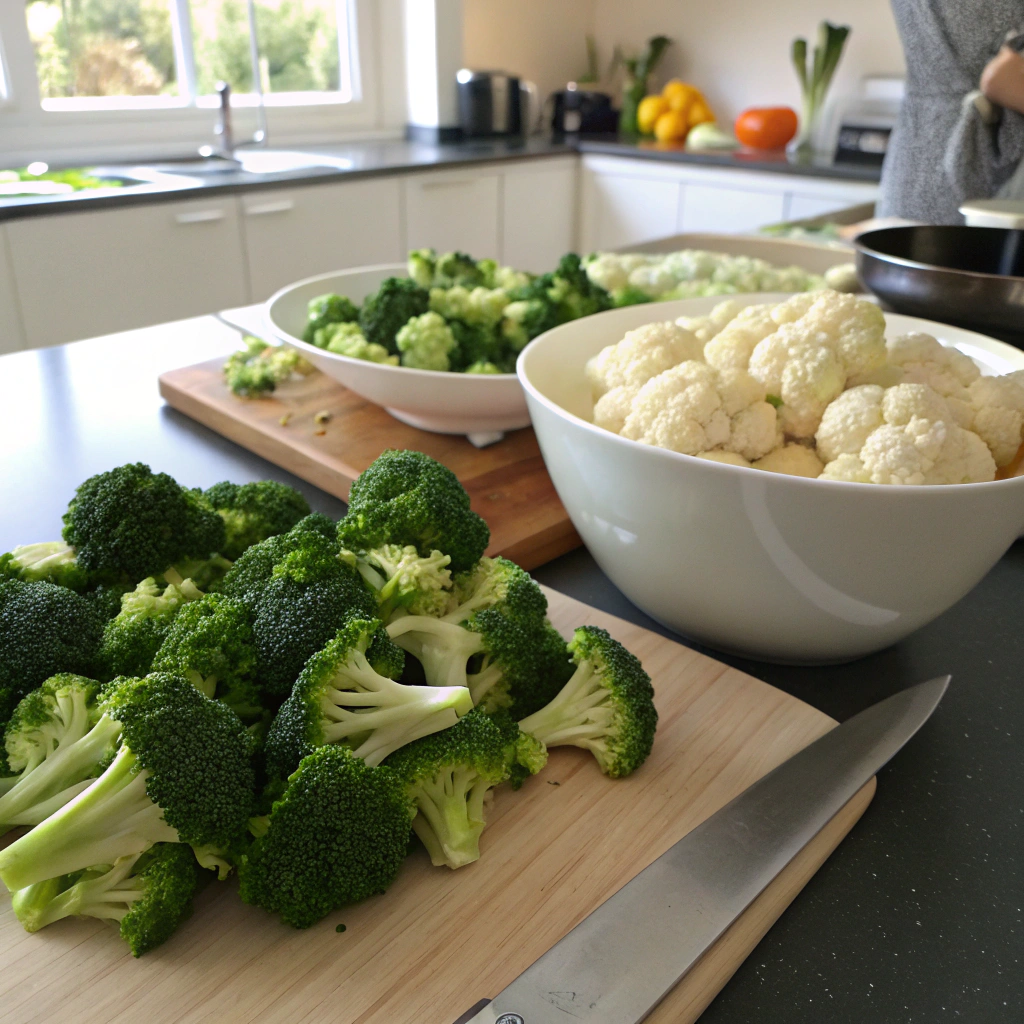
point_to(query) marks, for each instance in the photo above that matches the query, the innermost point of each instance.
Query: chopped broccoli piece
(607, 707)
(475, 343)
(457, 268)
(106, 598)
(421, 266)
(527, 317)
(426, 342)
(629, 296)
(385, 313)
(448, 776)
(258, 368)
(483, 367)
(255, 511)
(51, 561)
(149, 894)
(402, 579)
(496, 583)
(134, 635)
(406, 497)
(183, 773)
(44, 629)
(130, 523)
(56, 743)
(386, 658)
(573, 291)
(337, 835)
(349, 340)
(326, 310)
(477, 307)
(339, 698)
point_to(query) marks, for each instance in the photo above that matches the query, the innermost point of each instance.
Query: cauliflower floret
(706, 327)
(998, 407)
(842, 278)
(729, 458)
(610, 271)
(693, 408)
(654, 279)
(794, 459)
(806, 362)
(642, 354)
(919, 442)
(848, 420)
(612, 408)
(793, 308)
(922, 359)
(732, 345)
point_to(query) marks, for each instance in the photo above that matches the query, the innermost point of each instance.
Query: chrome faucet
(222, 129)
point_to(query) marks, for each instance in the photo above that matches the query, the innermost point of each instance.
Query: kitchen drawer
(538, 214)
(12, 338)
(621, 210)
(456, 210)
(728, 210)
(83, 274)
(294, 233)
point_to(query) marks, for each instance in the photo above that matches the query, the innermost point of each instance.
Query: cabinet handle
(199, 216)
(280, 206)
(458, 183)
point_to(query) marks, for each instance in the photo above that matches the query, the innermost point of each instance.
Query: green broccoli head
(134, 635)
(149, 894)
(404, 580)
(479, 307)
(629, 296)
(607, 707)
(457, 268)
(255, 511)
(328, 309)
(479, 344)
(337, 835)
(484, 367)
(339, 698)
(421, 266)
(573, 291)
(49, 561)
(500, 584)
(386, 312)
(44, 629)
(529, 315)
(385, 656)
(308, 597)
(406, 497)
(426, 342)
(183, 773)
(130, 523)
(349, 340)
(106, 598)
(448, 776)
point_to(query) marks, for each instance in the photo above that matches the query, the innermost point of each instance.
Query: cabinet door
(83, 274)
(728, 210)
(621, 210)
(295, 233)
(454, 210)
(538, 214)
(11, 336)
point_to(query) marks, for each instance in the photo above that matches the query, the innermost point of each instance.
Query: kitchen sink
(246, 161)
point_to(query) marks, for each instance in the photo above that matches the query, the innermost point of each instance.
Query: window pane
(103, 47)
(298, 43)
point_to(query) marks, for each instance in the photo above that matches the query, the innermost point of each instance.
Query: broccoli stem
(443, 648)
(574, 716)
(112, 818)
(451, 820)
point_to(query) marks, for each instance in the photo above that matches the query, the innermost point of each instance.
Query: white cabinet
(728, 210)
(83, 274)
(12, 338)
(454, 210)
(623, 205)
(538, 213)
(294, 233)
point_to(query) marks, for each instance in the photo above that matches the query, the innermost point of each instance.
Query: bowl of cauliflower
(799, 478)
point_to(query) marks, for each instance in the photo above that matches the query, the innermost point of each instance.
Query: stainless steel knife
(618, 963)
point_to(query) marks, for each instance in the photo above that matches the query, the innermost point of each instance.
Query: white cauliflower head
(693, 408)
(612, 408)
(793, 459)
(729, 458)
(806, 362)
(922, 359)
(848, 420)
(610, 270)
(730, 348)
(706, 327)
(997, 404)
(642, 354)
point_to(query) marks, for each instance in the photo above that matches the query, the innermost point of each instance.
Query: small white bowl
(445, 403)
(775, 567)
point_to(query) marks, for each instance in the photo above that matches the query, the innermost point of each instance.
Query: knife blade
(620, 961)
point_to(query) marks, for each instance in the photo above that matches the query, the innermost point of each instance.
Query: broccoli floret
(210, 644)
(255, 511)
(326, 310)
(496, 583)
(130, 523)
(527, 317)
(56, 743)
(309, 597)
(339, 698)
(426, 343)
(477, 306)
(386, 658)
(44, 629)
(448, 776)
(402, 579)
(483, 367)
(629, 296)
(478, 344)
(421, 266)
(106, 598)
(349, 340)
(258, 368)
(338, 834)
(573, 291)
(134, 635)
(51, 561)
(149, 894)
(406, 497)
(386, 312)
(607, 707)
(182, 774)
(251, 572)
(457, 268)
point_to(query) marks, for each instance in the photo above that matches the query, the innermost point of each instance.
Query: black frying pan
(970, 277)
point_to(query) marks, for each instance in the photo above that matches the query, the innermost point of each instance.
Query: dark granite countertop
(373, 158)
(917, 915)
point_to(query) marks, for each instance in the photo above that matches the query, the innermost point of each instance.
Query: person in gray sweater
(960, 132)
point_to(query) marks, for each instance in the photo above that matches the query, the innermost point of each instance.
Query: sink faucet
(222, 129)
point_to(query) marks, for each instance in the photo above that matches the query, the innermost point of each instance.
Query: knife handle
(472, 1012)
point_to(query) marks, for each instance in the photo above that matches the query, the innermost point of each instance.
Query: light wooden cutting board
(439, 940)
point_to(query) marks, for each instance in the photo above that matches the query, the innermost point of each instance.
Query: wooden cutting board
(439, 940)
(507, 482)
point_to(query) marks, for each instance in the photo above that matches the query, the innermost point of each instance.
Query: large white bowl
(777, 567)
(445, 403)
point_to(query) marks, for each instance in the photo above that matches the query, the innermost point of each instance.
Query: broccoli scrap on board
(258, 368)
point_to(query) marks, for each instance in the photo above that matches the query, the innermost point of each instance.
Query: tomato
(766, 127)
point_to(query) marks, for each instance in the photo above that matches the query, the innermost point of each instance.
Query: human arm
(1002, 81)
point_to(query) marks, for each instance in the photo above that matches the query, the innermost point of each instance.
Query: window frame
(175, 126)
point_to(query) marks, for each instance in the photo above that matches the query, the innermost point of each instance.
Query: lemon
(648, 112)
(699, 112)
(672, 126)
(679, 94)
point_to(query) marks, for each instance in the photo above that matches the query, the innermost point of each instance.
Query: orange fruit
(648, 112)
(672, 126)
(679, 94)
